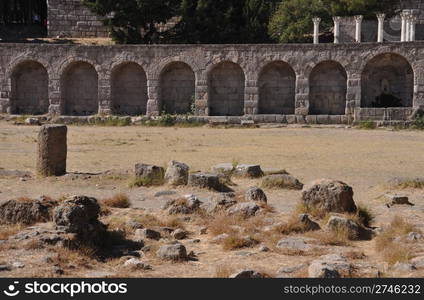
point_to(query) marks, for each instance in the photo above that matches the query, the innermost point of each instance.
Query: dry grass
(406, 183)
(302, 208)
(117, 201)
(234, 242)
(81, 257)
(335, 237)
(224, 271)
(7, 231)
(389, 243)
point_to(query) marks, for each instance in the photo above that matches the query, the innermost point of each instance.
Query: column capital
(316, 20)
(359, 18)
(381, 17)
(412, 19)
(337, 19)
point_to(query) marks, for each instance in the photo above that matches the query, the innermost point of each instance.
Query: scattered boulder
(256, 194)
(247, 274)
(418, 262)
(225, 168)
(295, 244)
(136, 264)
(177, 173)
(403, 267)
(330, 266)
(307, 223)
(247, 209)
(336, 223)
(288, 272)
(179, 234)
(264, 248)
(27, 211)
(282, 181)
(249, 171)
(219, 202)
(79, 215)
(183, 206)
(148, 234)
(414, 236)
(397, 200)
(173, 251)
(150, 174)
(329, 196)
(220, 238)
(205, 181)
(32, 122)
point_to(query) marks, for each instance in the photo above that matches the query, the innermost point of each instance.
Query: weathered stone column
(404, 17)
(358, 31)
(380, 35)
(316, 29)
(407, 29)
(52, 150)
(153, 105)
(336, 29)
(412, 22)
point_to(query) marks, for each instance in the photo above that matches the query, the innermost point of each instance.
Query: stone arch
(387, 81)
(277, 89)
(328, 89)
(226, 88)
(177, 88)
(129, 89)
(29, 88)
(79, 89)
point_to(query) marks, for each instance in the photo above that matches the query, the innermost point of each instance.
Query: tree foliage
(201, 21)
(292, 20)
(134, 21)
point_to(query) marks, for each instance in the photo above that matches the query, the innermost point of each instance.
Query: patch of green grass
(418, 123)
(368, 124)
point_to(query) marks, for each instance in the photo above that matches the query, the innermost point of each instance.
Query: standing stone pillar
(380, 35)
(413, 22)
(358, 32)
(52, 150)
(404, 17)
(337, 29)
(316, 29)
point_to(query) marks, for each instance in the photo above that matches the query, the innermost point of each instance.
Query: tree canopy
(225, 21)
(292, 20)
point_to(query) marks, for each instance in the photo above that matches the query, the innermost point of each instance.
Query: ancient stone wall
(70, 18)
(323, 83)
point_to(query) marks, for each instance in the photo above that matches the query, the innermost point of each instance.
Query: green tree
(134, 21)
(292, 20)
(223, 21)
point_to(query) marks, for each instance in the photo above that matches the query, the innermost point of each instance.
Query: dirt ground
(365, 159)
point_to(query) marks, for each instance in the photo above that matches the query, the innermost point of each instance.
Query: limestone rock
(79, 215)
(247, 209)
(183, 206)
(329, 196)
(330, 266)
(219, 202)
(151, 174)
(395, 199)
(296, 244)
(287, 272)
(247, 274)
(205, 181)
(174, 252)
(249, 171)
(177, 173)
(136, 264)
(225, 168)
(341, 223)
(282, 181)
(26, 211)
(179, 234)
(308, 224)
(148, 234)
(256, 194)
